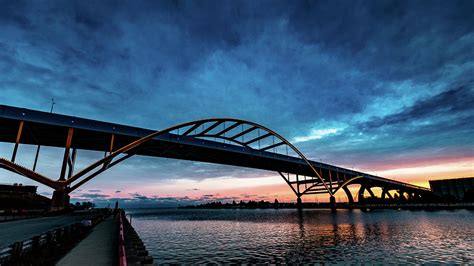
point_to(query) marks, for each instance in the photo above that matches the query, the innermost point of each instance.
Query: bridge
(225, 141)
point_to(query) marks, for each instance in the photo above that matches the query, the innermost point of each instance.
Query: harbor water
(190, 236)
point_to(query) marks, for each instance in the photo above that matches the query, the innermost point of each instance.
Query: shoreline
(406, 206)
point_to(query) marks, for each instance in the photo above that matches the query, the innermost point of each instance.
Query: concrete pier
(98, 248)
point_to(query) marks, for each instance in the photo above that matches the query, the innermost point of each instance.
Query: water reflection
(308, 236)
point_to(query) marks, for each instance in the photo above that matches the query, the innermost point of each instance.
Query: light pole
(52, 105)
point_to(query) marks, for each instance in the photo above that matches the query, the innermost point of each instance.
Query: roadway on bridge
(11, 232)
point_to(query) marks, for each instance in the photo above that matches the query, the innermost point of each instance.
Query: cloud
(138, 196)
(316, 134)
(139, 200)
(452, 103)
(434, 127)
(91, 196)
(359, 83)
(143, 201)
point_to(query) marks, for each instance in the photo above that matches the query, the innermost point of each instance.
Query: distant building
(19, 197)
(458, 188)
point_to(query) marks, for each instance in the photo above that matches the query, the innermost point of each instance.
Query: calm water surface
(311, 236)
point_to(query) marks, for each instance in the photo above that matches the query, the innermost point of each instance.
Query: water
(188, 236)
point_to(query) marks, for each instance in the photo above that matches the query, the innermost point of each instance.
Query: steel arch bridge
(218, 140)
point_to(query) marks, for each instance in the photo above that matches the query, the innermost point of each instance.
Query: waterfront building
(461, 189)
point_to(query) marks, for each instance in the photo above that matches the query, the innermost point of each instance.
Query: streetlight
(52, 105)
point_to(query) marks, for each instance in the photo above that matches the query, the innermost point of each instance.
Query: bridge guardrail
(121, 246)
(20, 249)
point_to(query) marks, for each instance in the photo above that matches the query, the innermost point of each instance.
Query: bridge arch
(208, 129)
(226, 129)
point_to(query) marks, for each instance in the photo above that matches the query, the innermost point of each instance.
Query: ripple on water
(288, 236)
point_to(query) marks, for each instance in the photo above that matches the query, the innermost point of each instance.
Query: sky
(384, 87)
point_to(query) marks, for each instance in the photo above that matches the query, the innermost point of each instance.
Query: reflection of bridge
(222, 141)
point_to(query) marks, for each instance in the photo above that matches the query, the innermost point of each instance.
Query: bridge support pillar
(299, 203)
(332, 203)
(60, 200)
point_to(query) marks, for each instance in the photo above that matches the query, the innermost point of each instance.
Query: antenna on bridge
(52, 105)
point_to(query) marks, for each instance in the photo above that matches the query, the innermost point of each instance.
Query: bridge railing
(121, 242)
(19, 250)
(54, 241)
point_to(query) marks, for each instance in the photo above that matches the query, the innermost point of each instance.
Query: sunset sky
(384, 87)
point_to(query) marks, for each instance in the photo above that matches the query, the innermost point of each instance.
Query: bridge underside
(22, 126)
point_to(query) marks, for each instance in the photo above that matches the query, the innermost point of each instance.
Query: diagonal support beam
(191, 129)
(99, 171)
(211, 127)
(71, 163)
(36, 157)
(385, 192)
(114, 154)
(11, 166)
(289, 184)
(112, 142)
(17, 141)
(66, 154)
(248, 130)
(272, 146)
(258, 138)
(369, 189)
(228, 129)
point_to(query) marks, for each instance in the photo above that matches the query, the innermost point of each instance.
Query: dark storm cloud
(457, 102)
(392, 39)
(393, 75)
(12, 12)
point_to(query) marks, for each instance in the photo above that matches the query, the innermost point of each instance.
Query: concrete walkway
(98, 248)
